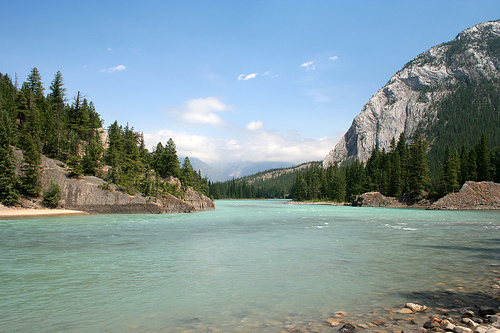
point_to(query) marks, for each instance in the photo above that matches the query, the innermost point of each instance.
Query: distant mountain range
(222, 171)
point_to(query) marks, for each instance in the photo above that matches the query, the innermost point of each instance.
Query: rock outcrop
(472, 195)
(404, 102)
(94, 195)
(375, 199)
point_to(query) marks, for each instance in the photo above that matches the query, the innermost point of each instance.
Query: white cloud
(255, 125)
(334, 58)
(202, 111)
(254, 146)
(118, 68)
(244, 77)
(309, 65)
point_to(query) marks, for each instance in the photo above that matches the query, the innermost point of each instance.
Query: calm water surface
(247, 266)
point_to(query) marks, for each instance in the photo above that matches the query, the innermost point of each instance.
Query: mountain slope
(411, 100)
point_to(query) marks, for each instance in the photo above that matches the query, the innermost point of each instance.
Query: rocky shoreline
(472, 196)
(457, 306)
(94, 195)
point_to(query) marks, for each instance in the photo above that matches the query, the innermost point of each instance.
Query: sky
(228, 80)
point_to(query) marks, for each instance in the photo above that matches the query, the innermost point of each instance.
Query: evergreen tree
(132, 164)
(92, 157)
(483, 159)
(300, 188)
(418, 164)
(339, 185)
(402, 150)
(187, 173)
(54, 123)
(31, 167)
(172, 164)
(52, 196)
(395, 183)
(450, 172)
(114, 153)
(472, 164)
(495, 161)
(8, 192)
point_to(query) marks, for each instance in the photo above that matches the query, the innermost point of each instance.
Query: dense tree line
(404, 169)
(470, 110)
(70, 132)
(269, 184)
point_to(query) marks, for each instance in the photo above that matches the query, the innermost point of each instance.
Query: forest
(403, 170)
(71, 131)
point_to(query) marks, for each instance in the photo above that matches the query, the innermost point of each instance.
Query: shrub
(52, 196)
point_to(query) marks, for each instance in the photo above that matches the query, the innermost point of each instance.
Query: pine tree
(418, 164)
(54, 123)
(300, 188)
(402, 150)
(132, 165)
(472, 163)
(31, 167)
(8, 182)
(483, 159)
(114, 153)
(339, 185)
(172, 164)
(92, 157)
(495, 161)
(187, 173)
(450, 172)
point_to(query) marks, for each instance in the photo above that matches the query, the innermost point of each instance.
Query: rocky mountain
(410, 101)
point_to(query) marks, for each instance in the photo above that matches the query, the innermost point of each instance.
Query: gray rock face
(401, 105)
(93, 195)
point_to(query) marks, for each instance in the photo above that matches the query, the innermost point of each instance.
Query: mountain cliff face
(407, 102)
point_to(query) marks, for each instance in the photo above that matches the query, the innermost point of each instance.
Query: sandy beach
(22, 212)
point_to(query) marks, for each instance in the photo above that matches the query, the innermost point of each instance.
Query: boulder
(374, 199)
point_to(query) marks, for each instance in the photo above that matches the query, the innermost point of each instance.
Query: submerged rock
(348, 328)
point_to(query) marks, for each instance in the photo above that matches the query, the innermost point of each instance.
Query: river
(247, 266)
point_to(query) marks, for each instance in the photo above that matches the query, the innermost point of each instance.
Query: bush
(52, 196)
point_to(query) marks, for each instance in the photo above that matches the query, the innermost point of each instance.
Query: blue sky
(229, 80)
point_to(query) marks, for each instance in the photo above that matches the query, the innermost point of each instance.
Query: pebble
(415, 307)
(333, 322)
(493, 318)
(460, 329)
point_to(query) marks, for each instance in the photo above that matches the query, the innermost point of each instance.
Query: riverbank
(6, 212)
(459, 306)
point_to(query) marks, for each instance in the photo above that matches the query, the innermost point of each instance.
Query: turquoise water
(248, 266)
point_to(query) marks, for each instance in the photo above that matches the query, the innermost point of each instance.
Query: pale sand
(20, 212)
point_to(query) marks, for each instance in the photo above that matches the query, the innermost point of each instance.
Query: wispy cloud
(118, 68)
(244, 77)
(334, 58)
(202, 111)
(255, 125)
(310, 65)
